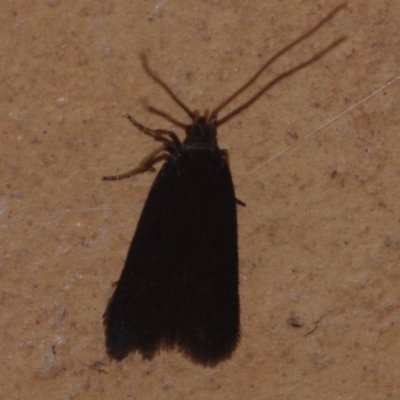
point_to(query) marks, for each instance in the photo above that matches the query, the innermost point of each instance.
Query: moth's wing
(180, 280)
(208, 325)
(137, 315)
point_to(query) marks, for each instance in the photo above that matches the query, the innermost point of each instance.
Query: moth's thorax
(202, 132)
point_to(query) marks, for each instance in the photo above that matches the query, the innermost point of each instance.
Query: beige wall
(316, 160)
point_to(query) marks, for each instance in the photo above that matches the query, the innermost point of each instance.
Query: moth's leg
(225, 154)
(157, 134)
(240, 202)
(144, 165)
(170, 145)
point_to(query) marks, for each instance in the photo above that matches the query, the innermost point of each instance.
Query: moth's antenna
(165, 87)
(269, 62)
(278, 79)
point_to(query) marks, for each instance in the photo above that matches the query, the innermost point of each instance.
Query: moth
(179, 286)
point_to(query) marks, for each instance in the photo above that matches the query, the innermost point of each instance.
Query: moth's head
(203, 130)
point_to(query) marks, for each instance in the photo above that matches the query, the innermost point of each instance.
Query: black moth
(179, 286)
